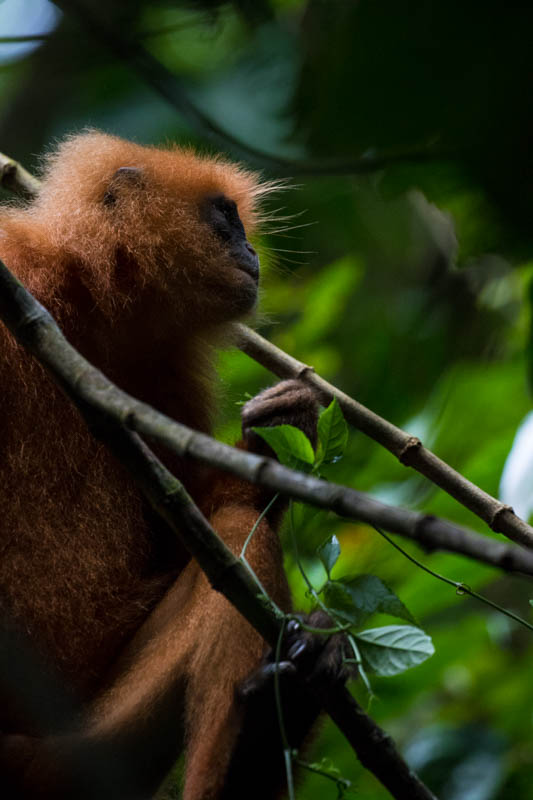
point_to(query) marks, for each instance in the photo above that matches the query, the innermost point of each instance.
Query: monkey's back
(77, 567)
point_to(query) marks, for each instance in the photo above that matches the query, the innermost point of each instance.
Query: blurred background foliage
(401, 272)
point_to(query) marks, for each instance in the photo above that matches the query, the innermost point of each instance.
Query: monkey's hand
(304, 655)
(290, 402)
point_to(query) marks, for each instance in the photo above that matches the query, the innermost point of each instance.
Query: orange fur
(138, 329)
(144, 290)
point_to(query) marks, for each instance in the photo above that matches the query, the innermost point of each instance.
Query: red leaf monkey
(142, 257)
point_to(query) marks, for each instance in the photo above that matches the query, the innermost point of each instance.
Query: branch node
(419, 533)
(500, 509)
(186, 440)
(411, 443)
(336, 501)
(129, 420)
(8, 172)
(262, 464)
(303, 370)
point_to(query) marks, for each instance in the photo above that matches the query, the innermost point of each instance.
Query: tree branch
(430, 532)
(92, 387)
(408, 449)
(109, 412)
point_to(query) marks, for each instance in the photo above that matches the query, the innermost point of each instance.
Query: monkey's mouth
(249, 270)
(245, 289)
(246, 260)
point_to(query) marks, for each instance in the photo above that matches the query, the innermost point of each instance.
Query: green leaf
(329, 553)
(338, 599)
(332, 433)
(369, 594)
(290, 444)
(394, 648)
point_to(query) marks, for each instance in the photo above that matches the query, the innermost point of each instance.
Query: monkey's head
(165, 227)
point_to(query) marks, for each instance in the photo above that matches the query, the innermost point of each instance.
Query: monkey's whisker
(299, 252)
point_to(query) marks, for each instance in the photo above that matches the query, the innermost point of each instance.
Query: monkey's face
(235, 275)
(163, 231)
(189, 239)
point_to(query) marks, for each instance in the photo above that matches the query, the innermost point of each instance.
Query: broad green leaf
(332, 433)
(290, 444)
(338, 599)
(329, 553)
(394, 648)
(369, 594)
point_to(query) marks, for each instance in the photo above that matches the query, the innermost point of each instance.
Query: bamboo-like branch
(408, 449)
(110, 414)
(145, 420)
(430, 532)
(183, 441)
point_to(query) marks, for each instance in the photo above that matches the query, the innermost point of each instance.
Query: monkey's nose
(247, 259)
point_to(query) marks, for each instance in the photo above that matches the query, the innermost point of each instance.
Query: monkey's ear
(124, 178)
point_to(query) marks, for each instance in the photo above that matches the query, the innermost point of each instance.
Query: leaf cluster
(351, 601)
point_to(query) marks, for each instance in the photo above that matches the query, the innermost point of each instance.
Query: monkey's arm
(234, 744)
(198, 653)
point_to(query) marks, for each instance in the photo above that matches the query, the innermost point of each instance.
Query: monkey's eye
(223, 206)
(221, 213)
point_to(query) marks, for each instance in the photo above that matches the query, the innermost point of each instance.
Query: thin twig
(459, 586)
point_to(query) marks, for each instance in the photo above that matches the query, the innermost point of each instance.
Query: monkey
(143, 257)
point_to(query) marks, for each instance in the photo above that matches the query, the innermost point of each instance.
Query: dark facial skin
(221, 214)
